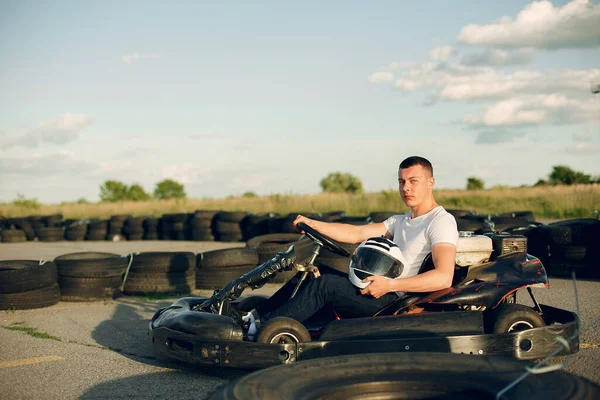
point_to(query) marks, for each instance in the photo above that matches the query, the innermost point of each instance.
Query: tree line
(113, 191)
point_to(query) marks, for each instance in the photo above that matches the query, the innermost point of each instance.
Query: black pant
(332, 287)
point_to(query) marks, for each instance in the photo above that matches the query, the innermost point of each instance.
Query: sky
(229, 97)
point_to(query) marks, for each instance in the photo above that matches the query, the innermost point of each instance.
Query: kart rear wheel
(510, 318)
(283, 330)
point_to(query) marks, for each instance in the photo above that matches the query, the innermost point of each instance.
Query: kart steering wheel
(326, 241)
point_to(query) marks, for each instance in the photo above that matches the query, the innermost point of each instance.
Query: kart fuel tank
(473, 249)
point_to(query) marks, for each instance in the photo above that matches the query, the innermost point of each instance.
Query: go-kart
(478, 314)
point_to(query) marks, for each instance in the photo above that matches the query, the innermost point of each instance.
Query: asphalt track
(98, 350)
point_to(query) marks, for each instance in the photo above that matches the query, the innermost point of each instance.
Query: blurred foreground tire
(406, 376)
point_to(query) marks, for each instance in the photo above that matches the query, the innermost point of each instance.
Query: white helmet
(375, 256)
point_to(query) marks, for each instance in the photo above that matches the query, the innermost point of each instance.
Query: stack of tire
(567, 246)
(150, 226)
(26, 284)
(22, 224)
(97, 230)
(115, 228)
(10, 234)
(285, 224)
(228, 226)
(267, 247)
(90, 276)
(217, 268)
(202, 225)
(50, 234)
(76, 230)
(466, 220)
(254, 225)
(161, 273)
(133, 228)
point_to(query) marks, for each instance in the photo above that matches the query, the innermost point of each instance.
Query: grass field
(545, 202)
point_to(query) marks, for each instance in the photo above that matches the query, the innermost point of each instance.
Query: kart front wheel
(283, 330)
(509, 318)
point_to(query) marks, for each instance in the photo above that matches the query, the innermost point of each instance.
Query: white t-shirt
(416, 236)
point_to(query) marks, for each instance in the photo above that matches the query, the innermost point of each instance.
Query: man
(426, 228)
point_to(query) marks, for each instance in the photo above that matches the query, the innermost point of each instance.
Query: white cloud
(499, 57)
(66, 128)
(131, 58)
(441, 53)
(381, 77)
(541, 25)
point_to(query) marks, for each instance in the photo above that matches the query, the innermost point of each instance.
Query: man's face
(414, 184)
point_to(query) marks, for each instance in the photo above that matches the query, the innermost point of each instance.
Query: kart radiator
(506, 243)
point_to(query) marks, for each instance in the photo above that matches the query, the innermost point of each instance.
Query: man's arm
(344, 233)
(444, 256)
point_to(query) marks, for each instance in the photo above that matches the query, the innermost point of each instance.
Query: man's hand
(378, 287)
(301, 218)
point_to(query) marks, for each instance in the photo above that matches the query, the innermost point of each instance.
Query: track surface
(99, 349)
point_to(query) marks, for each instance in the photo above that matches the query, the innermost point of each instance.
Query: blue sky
(270, 97)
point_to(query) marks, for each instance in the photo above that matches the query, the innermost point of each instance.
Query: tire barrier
(228, 226)
(217, 268)
(115, 228)
(567, 246)
(26, 284)
(76, 231)
(161, 273)
(12, 235)
(51, 234)
(90, 276)
(267, 247)
(407, 376)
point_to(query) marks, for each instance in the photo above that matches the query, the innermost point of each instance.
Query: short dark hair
(416, 160)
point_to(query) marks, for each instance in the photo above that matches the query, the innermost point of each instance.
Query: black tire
(283, 330)
(89, 289)
(91, 265)
(37, 298)
(25, 225)
(569, 253)
(12, 236)
(23, 275)
(50, 234)
(515, 318)
(267, 246)
(218, 277)
(76, 232)
(231, 216)
(96, 235)
(227, 258)
(163, 262)
(251, 302)
(406, 376)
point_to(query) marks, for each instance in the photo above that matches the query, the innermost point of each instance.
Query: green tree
(337, 182)
(169, 189)
(540, 182)
(474, 183)
(136, 192)
(564, 175)
(112, 191)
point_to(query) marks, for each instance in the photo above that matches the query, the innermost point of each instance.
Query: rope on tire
(42, 262)
(130, 255)
(564, 344)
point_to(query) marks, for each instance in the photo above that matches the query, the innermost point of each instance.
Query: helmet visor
(366, 262)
